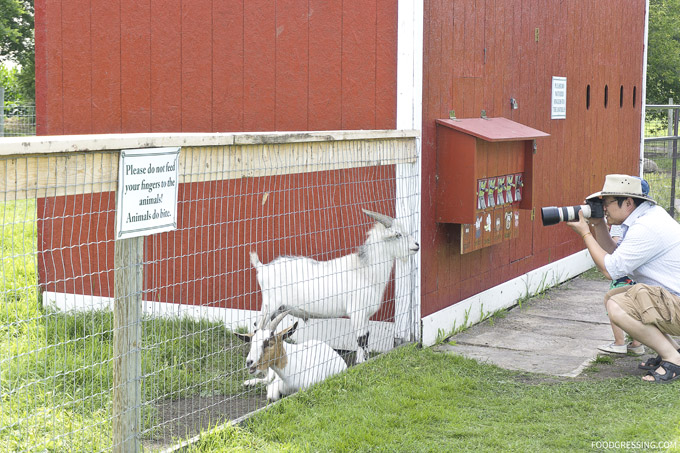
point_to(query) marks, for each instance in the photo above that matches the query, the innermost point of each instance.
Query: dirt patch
(609, 366)
(177, 420)
(174, 421)
(605, 367)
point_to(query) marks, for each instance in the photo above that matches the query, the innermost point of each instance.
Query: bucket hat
(624, 186)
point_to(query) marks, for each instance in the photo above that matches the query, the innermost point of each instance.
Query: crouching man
(649, 254)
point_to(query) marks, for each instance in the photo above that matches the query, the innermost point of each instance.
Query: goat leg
(362, 349)
(265, 380)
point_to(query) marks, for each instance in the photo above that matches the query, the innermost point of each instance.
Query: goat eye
(398, 235)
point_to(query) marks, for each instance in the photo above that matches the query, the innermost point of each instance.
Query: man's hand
(596, 221)
(581, 226)
(597, 250)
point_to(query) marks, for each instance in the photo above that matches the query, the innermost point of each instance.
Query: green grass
(57, 373)
(593, 274)
(656, 124)
(19, 236)
(419, 400)
(56, 369)
(20, 123)
(56, 378)
(236, 439)
(660, 187)
(661, 182)
(604, 359)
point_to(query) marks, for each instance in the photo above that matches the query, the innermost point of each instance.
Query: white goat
(290, 367)
(352, 285)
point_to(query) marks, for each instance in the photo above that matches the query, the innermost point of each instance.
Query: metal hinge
(533, 213)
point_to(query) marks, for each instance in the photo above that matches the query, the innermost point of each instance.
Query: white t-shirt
(616, 231)
(650, 249)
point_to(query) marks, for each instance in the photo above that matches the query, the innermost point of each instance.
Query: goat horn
(275, 321)
(382, 218)
(262, 320)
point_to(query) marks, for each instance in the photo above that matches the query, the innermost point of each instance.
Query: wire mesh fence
(17, 120)
(660, 163)
(120, 345)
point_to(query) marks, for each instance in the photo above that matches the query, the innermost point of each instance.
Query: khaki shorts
(649, 305)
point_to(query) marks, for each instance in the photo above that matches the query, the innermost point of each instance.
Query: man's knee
(614, 310)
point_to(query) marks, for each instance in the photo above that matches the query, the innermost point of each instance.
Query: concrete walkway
(557, 334)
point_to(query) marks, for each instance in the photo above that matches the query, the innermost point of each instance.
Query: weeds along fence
(127, 344)
(17, 120)
(660, 163)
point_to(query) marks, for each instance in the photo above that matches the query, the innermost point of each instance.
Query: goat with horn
(289, 367)
(352, 285)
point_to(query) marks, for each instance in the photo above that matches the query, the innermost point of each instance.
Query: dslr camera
(552, 214)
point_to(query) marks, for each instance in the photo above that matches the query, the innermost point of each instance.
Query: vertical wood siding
(205, 261)
(215, 66)
(480, 53)
(235, 65)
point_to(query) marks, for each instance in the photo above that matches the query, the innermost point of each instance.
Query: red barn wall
(129, 66)
(205, 261)
(200, 65)
(478, 54)
(120, 66)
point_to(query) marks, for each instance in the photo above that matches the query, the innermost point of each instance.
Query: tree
(663, 52)
(9, 81)
(17, 41)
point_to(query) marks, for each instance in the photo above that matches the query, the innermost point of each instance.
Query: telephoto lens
(553, 215)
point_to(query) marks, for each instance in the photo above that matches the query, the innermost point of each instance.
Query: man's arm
(597, 252)
(601, 232)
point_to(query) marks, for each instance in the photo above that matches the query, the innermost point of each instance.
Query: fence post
(2, 112)
(674, 165)
(670, 125)
(127, 337)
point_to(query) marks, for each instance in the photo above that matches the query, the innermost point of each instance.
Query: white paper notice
(558, 99)
(147, 191)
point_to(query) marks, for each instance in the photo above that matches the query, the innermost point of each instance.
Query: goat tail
(254, 260)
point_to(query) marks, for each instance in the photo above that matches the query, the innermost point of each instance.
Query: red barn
(561, 83)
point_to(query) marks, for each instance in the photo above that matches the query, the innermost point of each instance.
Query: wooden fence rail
(71, 166)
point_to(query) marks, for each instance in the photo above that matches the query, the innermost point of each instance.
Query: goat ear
(244, 336)
(382, 218)
(286, 333)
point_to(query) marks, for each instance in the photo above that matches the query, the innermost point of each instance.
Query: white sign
(558, 102)
(147, 191)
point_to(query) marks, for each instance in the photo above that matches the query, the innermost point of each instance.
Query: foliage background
(17, 45)
(663, 53)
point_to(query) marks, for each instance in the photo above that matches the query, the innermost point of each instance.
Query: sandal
(652, 363)
(672, 373)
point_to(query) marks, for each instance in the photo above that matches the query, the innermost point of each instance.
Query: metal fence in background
(116, 345)
(17, 119)
(660, 159)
